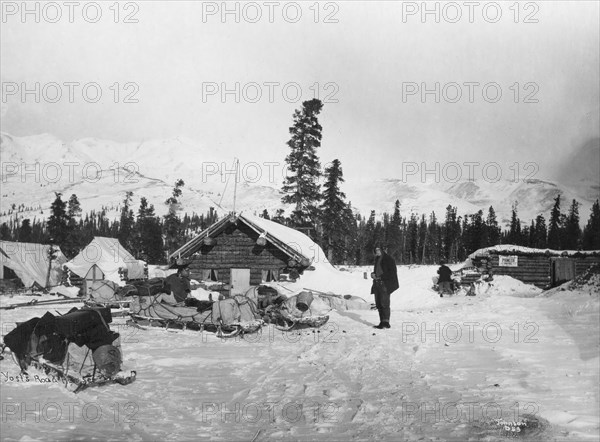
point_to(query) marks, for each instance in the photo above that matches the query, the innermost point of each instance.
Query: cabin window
(270, 275)
(209, 275)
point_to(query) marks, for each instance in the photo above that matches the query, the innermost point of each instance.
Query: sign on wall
(508, 261)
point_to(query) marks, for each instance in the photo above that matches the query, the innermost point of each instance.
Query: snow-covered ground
(445, 370)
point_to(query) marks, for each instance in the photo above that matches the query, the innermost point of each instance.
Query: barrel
(304, 301)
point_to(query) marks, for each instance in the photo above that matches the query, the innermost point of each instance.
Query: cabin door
(240, 281)
(562, 270)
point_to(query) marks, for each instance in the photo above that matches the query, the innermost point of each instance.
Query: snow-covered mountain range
(101, 171)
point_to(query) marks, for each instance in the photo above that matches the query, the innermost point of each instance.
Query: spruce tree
(572, 228)
(149, 241)
(58, 222)
(126, 222)
(450, 235)
(73, 207)
(351, 238)
(555, 226)
(335, 215)
(591, 232)
(514, 234)
(369, 238)
(25, 231)
(74, 241)
(540, 234)
(394, 234)
(423, 236)
(172, 223)
(435, 240)
(412, 240)
(301, 187)
(492, 228)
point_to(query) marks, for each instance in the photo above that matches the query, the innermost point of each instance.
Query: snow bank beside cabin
(507, 285)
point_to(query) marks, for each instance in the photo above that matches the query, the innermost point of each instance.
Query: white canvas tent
(31, 262)
(110, 257)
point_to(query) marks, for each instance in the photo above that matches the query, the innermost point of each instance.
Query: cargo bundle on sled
(78, 348)
(104, 293)
(284, 312)
(227, 318)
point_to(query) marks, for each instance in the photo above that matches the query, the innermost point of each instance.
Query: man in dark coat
(445, 279)
(180, 284)
(385, 281)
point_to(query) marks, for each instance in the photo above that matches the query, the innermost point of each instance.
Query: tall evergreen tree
(394, 234)
(591, 232)
(572, 228)
(540, 234)
(172, 223)
(369, 239)
(435, 239)
(149, 240)
(73, 207)
(126, 222)
(25, 231)
(74, 241)
(492, 228)
(301, 187)
(555, 226)
(514, 235)
(412, 239)
(450, 235)
(336, 216)
(58, 222)
(475, 232)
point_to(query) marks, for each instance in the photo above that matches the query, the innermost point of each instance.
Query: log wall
(582, 264)
(531, 269)
(535, 269)
(236, 248)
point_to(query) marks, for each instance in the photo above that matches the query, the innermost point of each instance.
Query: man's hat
(179, 263)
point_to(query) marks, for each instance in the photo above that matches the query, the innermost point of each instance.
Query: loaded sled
(286, 313)
(227, 318)
(78, 348)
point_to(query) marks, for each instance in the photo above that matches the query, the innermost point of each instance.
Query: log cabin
(240, 251)
(544, 268)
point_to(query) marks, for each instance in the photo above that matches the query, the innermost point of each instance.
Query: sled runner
(227, 318)
(77, 348)
(35, 302)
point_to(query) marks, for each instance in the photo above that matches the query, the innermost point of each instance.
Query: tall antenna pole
(237, 163)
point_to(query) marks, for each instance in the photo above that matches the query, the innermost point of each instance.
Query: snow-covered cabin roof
(505, 249)
(290, 241)
(30, 262)
(110, 256)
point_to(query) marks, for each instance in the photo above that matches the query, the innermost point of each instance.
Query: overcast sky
(367, 56)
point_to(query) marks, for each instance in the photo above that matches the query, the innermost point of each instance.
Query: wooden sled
(221, 330)
(76, 383)
(71, 380)
(285, 322)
